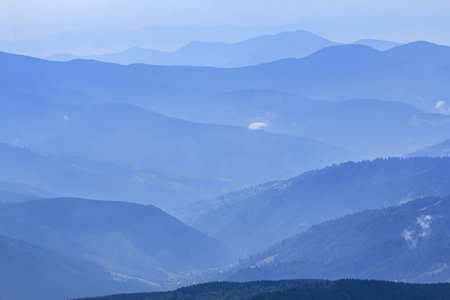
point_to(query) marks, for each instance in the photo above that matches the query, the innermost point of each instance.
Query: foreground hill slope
(32, 272)
(400, 243)
(130, 240)
(254, 218)
(299, 290)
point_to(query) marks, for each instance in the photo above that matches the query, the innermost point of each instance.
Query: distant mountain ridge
(253, 51)
(85, 41)
(414, 73)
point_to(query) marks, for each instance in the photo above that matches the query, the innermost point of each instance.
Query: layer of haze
(344, 21)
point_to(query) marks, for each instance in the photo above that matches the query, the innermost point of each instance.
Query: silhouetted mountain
(252, 219)
(130, 240)
(91, 41)
(254, 51)
(349, 289)
(31, 272)
(438, 150)
(377, 44)
(400, 243)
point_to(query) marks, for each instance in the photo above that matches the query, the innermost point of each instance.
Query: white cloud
(257, 125)
(412, 237)
(439, 104)
(424, 223)
(66, 118)
(409, 238)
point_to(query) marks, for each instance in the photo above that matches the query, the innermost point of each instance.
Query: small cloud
(257, 125)
(424, 223)
(66, 118)
(412, 237)
(409, 238)
(439, 104)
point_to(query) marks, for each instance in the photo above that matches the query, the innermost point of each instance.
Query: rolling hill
(129, 135)
(82, 177)
(382, 128)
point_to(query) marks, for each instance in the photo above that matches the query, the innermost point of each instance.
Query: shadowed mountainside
(400, 243)
(130, 240)
(254, 218)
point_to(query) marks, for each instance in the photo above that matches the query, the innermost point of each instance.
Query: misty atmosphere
(224, 150)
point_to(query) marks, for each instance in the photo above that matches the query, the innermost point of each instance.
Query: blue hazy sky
(395, 19)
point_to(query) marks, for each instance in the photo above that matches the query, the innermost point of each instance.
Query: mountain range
(169, 136)
(414, 73)
(193, 89)
(150, 155)
(96, 41)
(252, 219)
(407, 243)
(257, 50)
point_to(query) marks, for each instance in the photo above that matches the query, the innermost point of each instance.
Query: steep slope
(130, 240)
(254, 51)
(406, 243)
(254, 218)
(31, 272)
